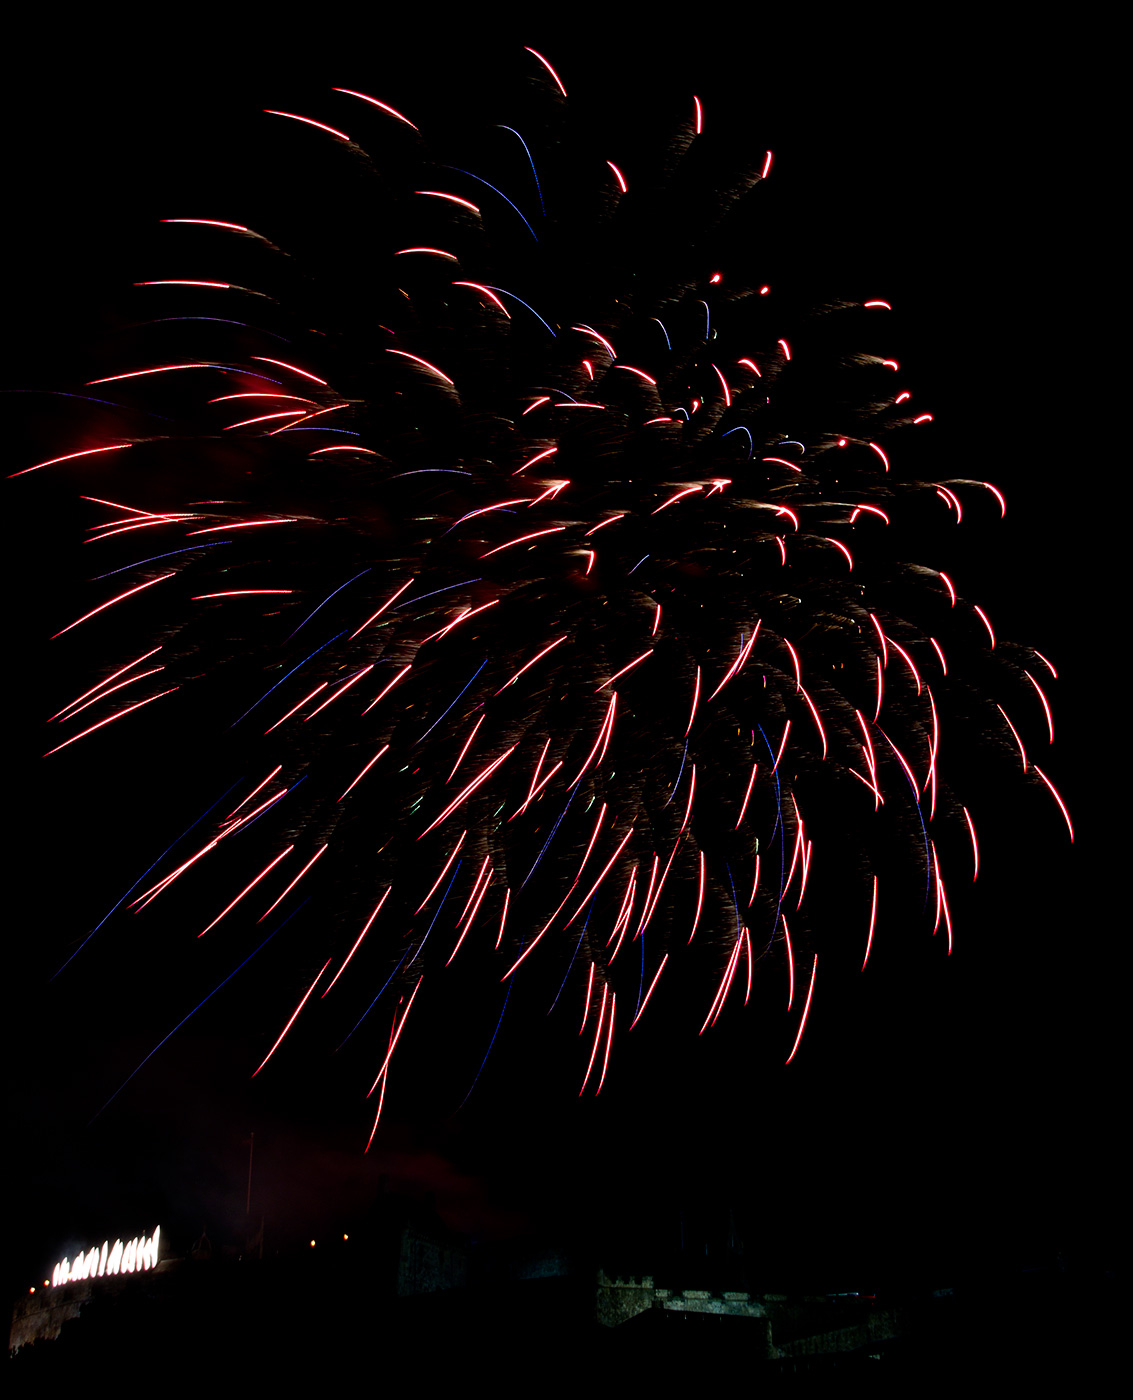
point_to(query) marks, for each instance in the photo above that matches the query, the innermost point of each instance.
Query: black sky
(947, 1113)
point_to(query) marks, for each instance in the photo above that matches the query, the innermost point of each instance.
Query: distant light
(139, 1254)
(346, 1237)
(312, 1244)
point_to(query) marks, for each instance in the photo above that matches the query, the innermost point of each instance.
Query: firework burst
(549, 591)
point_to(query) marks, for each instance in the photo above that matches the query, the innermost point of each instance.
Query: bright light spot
(131, 1258)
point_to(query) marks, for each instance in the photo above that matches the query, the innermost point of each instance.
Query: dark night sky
(941, 1115)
